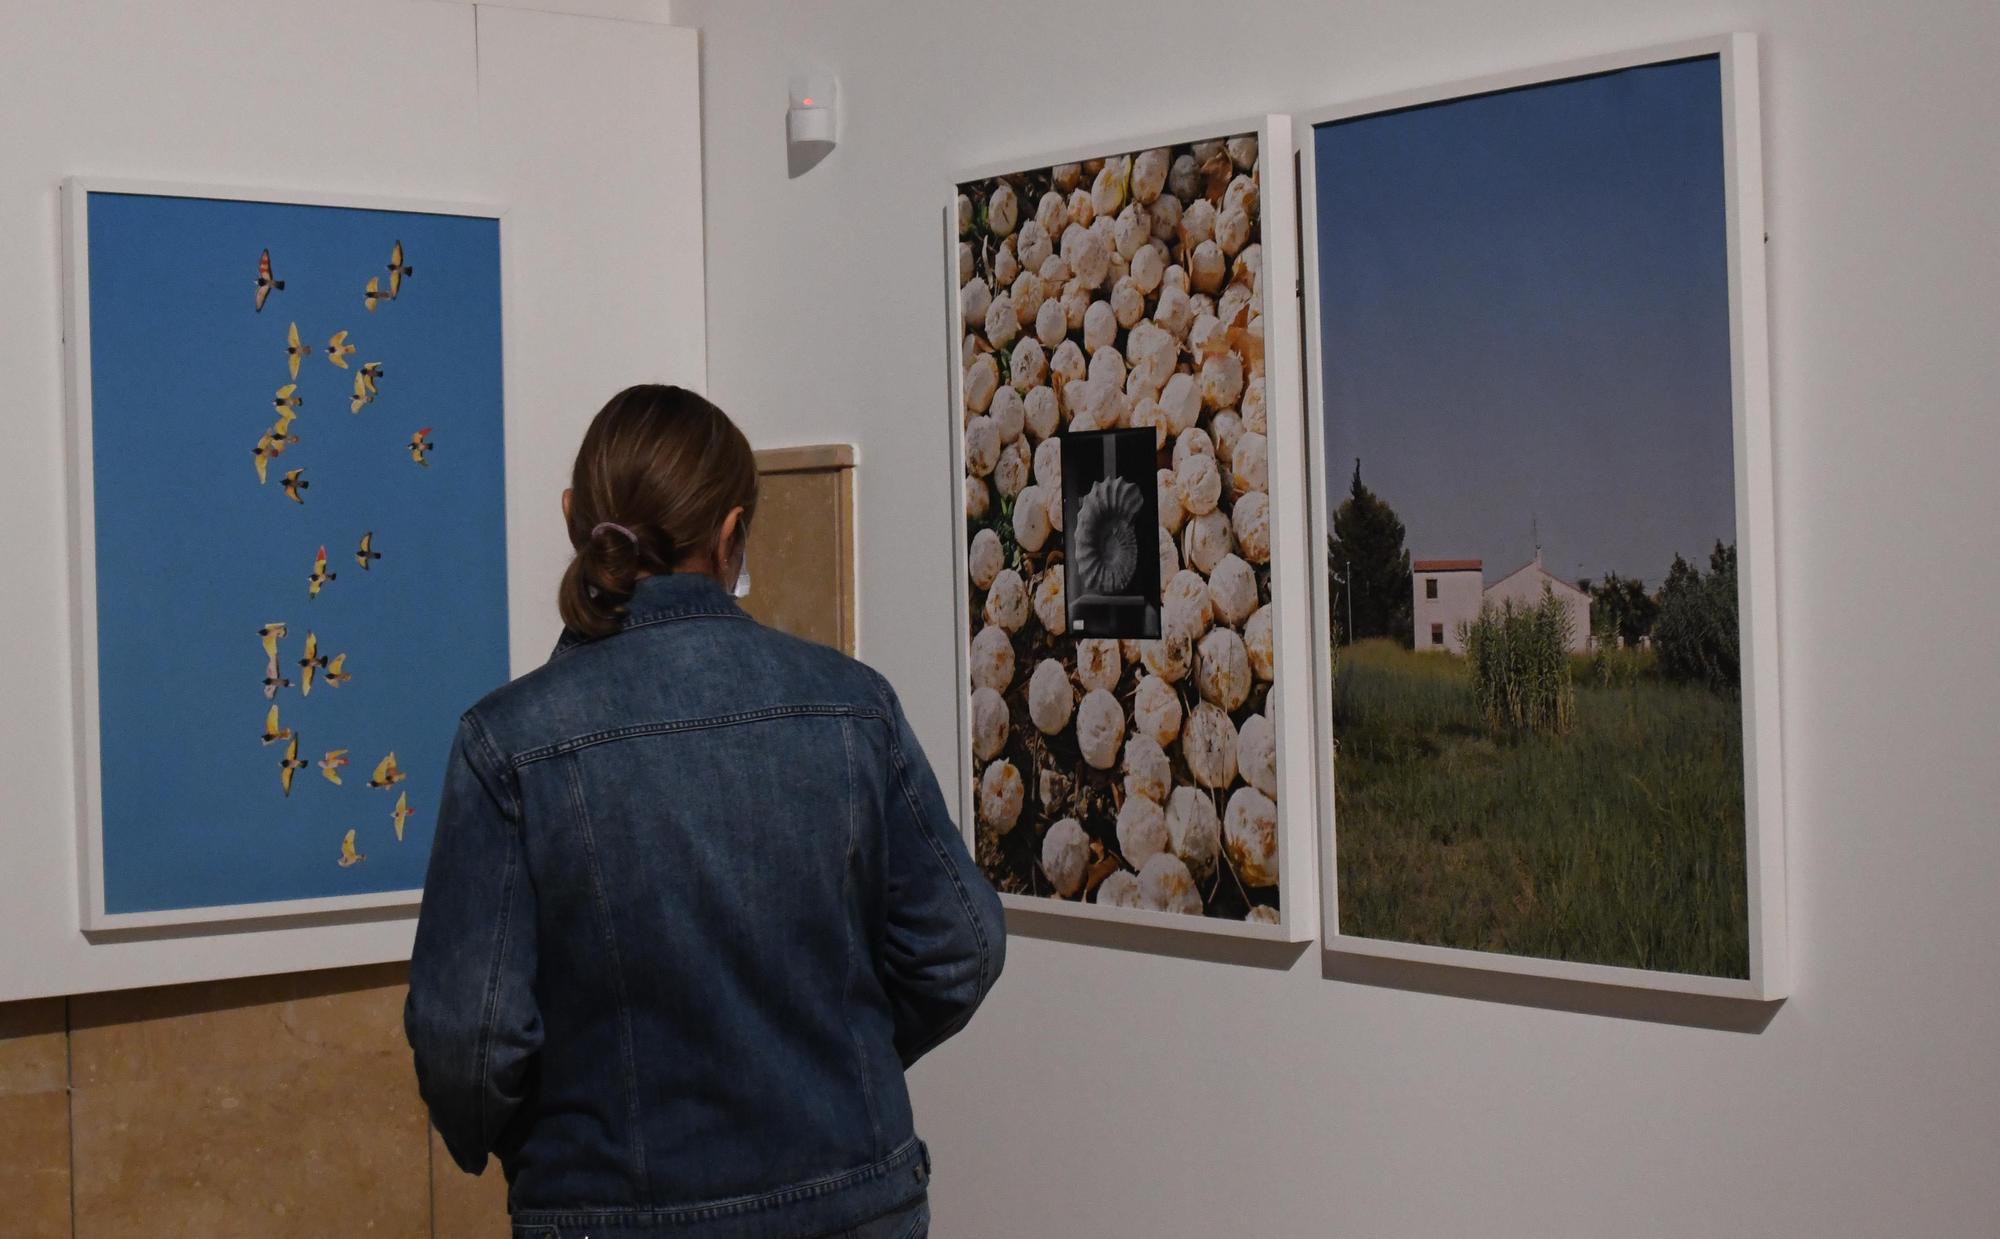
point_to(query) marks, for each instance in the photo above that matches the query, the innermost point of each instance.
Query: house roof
(1535, 565)
(1447, 565)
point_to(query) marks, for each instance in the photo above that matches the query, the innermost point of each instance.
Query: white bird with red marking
(265, 284)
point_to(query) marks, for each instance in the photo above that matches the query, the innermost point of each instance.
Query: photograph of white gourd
(1123, 292)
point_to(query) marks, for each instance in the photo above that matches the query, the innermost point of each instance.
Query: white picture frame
(82, 560)
(1769, 969)
(1290, 601)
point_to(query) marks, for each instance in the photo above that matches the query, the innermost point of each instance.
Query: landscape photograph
(1530, 487)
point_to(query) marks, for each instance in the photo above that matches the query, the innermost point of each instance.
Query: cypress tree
(1366, 556)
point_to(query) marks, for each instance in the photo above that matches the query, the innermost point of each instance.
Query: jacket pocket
(910, 1221)
(920, 1222)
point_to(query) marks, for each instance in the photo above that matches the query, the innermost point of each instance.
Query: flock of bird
(337, 349)
(332, 670)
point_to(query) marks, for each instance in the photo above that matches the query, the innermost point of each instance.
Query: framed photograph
(1133, 575)
(1110, 496)
(289, 540)
(1539, 433)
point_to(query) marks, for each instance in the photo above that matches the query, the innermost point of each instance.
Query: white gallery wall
(585, 128)
(1114, 1091)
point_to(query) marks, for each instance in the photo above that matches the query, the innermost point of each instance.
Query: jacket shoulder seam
(668, 726)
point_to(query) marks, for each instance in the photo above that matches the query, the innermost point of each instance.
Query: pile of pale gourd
(1123, 292)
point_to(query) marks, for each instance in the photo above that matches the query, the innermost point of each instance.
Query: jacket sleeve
(471, 1016)
(945, 940)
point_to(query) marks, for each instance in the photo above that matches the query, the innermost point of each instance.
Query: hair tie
(601, 526)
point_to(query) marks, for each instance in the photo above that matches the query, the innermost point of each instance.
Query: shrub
(1621, 609)
(1519, 657)
(1696, 634)
(1610, 665)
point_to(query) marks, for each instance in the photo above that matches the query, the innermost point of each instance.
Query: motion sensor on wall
(812, 122)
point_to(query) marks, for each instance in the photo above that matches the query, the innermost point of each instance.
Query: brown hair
(669, 467)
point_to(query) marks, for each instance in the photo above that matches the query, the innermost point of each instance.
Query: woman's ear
(568, 494)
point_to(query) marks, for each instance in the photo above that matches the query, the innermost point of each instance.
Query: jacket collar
(666, 596)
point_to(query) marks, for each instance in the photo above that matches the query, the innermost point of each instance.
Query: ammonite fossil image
(1106, 545)
(1111, 489)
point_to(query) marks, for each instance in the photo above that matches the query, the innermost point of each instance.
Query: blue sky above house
(1525, 320)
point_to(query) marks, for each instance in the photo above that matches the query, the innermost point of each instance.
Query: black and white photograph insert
(1111, 510)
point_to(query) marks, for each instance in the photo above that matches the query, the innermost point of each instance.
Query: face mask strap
(741, 589)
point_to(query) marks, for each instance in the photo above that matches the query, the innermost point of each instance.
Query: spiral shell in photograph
(1107, 536)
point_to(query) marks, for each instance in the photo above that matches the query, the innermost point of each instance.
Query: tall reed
(1519, 657)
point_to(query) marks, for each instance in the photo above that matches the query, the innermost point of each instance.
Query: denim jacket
(693, 905)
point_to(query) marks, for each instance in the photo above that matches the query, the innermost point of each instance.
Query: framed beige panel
(802, 543)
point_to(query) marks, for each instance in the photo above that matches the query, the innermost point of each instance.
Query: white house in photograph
(1446, 593)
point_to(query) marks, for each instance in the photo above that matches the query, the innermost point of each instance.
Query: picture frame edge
(1296, 725)
(1080, 152)
(961, 608)
(1757, 588)
(81, 561)
(473, 208)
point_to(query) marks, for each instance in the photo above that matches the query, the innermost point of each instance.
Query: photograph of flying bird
(364, 394)
(330, 765)
(273, 444)
(338, 349)
(290, 764)
(287, 399)
(269, 635)
(402, 813)
(371, 374)
(280, 436)
(293, 484)
(386, 774)
(320, 575)
(397, 271)
(295, 350)
(348, 856)
(367, 553)
(273, 680)
(421, 446)
(273, 732)
(372, 295)
(311, 663)
(265, 284)
(336, 673)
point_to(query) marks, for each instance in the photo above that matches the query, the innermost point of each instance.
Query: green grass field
(1619, 843)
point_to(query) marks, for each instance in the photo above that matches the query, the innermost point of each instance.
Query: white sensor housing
(813, 117)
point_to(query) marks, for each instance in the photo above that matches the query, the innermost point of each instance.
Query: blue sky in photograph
(1525, 320)
(194, 556)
